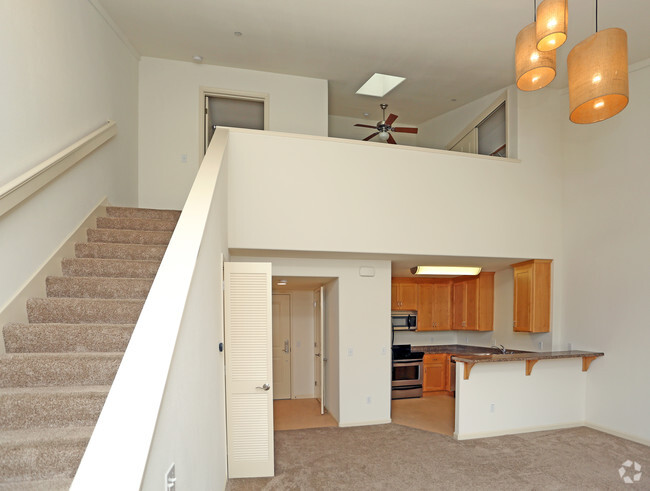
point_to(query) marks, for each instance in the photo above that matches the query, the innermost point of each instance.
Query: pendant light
(535, 69)
(552, 22)
(598, 79)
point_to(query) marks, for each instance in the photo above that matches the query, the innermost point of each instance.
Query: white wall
(169, 118)
(343, 127)
(302, 344)
(552, 396)
(607, 238)
(363, 335)
(65, 73)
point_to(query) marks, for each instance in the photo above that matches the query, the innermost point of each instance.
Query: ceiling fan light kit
(552, 23)
(384, 126)
(597, 67)
(598, 77)
(535, 69)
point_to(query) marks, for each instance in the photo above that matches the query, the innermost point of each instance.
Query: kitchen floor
(298, 414)
(432, 412)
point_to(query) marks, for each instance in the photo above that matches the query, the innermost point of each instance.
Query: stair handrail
(23, 186)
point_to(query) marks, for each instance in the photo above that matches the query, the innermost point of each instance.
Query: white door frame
(227, 94)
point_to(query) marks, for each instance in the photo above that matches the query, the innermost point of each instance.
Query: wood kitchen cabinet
(434, 306)
(404, 295)
(473, 303)
(435, 372)
(532, 296)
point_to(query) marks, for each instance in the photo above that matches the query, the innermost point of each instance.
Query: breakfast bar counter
(529, 357)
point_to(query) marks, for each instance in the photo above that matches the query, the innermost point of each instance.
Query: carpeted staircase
(59, 367)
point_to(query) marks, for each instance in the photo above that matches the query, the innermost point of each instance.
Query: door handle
(286, 347)
(264, 387)
(317, 354)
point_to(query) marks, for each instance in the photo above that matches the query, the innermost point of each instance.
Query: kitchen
(442, 301)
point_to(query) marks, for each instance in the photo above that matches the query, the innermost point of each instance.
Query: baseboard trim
(15, 309)
(620, 434)
(515, 431)
(365, 423)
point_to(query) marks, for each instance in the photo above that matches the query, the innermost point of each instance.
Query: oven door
(407, 372)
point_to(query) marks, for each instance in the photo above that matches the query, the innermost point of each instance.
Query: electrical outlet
(369, 400)
(170, 478)
(384, 350)
(569, 346)
(466, 339)
(350, 351)
(184, 158)
(541, 345)
(492, 406)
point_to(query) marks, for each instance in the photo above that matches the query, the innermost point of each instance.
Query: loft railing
(23, 186)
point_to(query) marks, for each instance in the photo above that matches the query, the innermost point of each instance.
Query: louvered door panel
(249, 366)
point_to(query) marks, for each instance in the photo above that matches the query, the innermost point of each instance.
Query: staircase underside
(58, 368)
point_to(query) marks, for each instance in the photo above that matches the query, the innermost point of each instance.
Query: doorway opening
(234, 109)
(300, 333)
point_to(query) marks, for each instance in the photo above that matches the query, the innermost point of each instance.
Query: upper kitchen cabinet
(473, 303)
(532, 302)
(434, 306)
(404, 296)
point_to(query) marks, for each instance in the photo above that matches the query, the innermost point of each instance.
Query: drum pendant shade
(535, 69)
(598, 79)
(552, 21)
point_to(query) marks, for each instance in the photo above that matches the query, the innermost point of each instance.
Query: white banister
(23, 186)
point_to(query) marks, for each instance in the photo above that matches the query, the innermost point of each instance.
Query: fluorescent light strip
(379, 85)
(446, 270)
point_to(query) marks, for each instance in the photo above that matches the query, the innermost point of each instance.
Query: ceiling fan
(384, 126)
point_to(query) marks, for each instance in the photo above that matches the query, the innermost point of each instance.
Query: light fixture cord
(596, 15)
(535, 10)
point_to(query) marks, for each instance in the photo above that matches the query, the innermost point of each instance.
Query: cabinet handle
(514, 324)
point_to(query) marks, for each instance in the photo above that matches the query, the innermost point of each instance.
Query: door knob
(264, 387)
(317, 354)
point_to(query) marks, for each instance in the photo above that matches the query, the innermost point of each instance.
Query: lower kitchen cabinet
(435, 372)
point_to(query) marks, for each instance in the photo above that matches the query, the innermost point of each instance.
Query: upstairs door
(249, 369)
(281, 346)
(467, 144)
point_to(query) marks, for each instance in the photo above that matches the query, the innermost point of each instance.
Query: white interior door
(281, 346)
(319, 361)
(249, 369)
(468, 143)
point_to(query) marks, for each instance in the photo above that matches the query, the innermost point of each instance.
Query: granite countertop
(459, 349)
(523, 356)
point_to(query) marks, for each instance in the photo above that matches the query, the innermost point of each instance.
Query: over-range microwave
(406, 320)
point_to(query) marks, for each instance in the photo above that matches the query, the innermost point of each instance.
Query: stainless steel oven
(408, 372)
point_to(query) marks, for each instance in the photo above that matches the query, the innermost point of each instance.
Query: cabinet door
(408, 296)
(460, 306)
(425, 307)
(472, 295)
(394, 296)
(441, 306)
(435, 372)
(523, 298)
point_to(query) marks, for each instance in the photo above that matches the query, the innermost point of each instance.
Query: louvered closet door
(249, 369)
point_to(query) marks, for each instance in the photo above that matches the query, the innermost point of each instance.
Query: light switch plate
(170, 478)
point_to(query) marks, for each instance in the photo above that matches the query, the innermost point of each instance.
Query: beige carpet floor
(297, 414)
(431, 413)
(396, 457)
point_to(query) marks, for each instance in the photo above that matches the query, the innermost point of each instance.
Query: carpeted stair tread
(44, 485)
(97, 287)
(83, 310)
(58, 369)
(66, 338)
(147, 213)
(32, 407)
(128, 236)
(42, 453)
(110, 268)
(107, 250)
(121, 223)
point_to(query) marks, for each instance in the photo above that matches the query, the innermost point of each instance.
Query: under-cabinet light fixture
(446, 270)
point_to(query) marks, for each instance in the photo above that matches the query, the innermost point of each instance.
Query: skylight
(379, 85)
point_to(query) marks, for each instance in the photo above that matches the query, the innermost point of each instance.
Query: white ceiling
(453, 49)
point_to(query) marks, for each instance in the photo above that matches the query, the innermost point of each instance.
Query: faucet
(500, 348)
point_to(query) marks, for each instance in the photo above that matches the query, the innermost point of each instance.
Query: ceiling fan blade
(391, 139)
(391, 119)
(405, 130)
(371, 136)
(365, 126)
